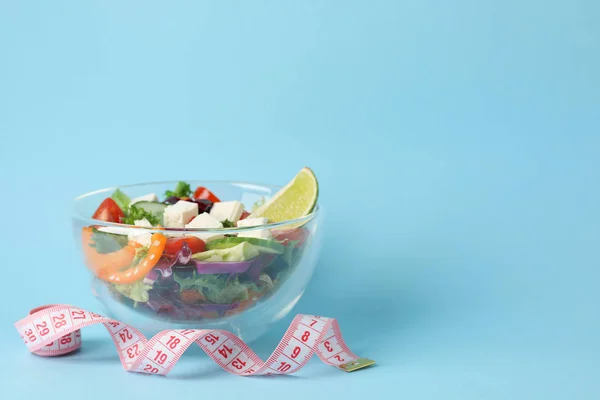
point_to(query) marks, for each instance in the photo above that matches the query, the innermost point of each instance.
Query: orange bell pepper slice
(102, 264)
(136, 272)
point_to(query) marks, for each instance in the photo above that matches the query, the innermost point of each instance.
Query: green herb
(121, 199)
(228, 224)
(216, 287)
(182, 189)
(140, 254)
(105, 242)
(137, 213)
(137, 291)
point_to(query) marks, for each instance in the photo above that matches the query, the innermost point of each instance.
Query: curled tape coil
(55, 330)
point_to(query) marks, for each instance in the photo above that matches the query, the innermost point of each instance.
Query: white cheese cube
(146, 197)
(206, 221)
(179, 214)
(252, 222)
(227, 210)
(143, 222)
(138, 235)
(260, 234)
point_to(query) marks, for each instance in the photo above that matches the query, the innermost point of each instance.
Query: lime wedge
(262, 245)
(295, 200)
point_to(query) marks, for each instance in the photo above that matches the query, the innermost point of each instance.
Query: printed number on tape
(55, 330)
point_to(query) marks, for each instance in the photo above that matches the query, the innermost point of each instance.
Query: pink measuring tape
(55, 330)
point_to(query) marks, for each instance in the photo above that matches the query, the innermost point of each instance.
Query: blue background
(456, 142)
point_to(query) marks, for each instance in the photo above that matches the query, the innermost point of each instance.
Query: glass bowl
(245, 298)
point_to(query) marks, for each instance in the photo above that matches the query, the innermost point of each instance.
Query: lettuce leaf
(232, 293)
(121, 199)
(137, 291)
(105, 242)
(215, 288)
(266, 284)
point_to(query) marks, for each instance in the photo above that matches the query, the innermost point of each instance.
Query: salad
(190, 255)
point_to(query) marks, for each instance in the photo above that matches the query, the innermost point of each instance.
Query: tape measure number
(56, 330)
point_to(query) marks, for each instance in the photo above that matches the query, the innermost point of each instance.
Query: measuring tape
(55, 330)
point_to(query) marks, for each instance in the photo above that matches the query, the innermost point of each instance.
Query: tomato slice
(245, 214)
(175, 244)
(299, 235)
(108, 211)
(203, 193)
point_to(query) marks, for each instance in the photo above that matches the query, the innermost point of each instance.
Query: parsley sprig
(182, 189)
(228, 224)
(136, 213)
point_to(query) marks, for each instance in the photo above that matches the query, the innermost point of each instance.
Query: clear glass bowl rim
(90, 221)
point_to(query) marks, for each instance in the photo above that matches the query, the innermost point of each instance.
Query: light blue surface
(457, 145)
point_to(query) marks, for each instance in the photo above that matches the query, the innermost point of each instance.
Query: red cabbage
(151, 277)
(258, 264)
(167, 261)
(221, 267)
(253, 266)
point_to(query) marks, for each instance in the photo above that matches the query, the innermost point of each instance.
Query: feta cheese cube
(179, 214)
(252, 222)
(207, 221)
(137, 235)
(227, 210)
(146, 197)
(260, 234)
(143, 222)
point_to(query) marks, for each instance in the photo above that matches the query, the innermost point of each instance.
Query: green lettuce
(215, 288)
(266, 284)
(121, 199)
(105, 242)
(137, 291)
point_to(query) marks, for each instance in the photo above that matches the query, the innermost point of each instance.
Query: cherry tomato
(204, 193)
(108, 211)
(191, 296)
(287, 235)
(175, 244)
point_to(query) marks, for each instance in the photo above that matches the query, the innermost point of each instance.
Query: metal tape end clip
(357, 364)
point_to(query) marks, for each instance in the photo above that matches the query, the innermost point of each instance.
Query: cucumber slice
(262, 245)
(153, 207)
